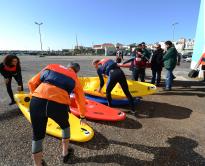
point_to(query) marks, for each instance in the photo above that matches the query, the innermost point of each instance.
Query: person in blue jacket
(115, 75)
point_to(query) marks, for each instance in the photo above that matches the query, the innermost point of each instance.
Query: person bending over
(10, 67)
(50, 91)
(115, 75)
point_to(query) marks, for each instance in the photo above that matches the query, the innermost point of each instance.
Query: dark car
(187, 57)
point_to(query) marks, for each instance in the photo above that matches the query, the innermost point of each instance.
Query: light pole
(39, 30)
(173, 25)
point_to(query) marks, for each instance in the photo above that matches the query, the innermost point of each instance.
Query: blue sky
(94, 22)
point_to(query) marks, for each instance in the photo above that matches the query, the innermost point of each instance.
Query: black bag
(193, 73)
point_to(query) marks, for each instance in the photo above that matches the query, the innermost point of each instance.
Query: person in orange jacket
(50, 91)
(203, 64)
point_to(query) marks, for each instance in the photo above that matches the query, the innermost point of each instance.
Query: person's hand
(99, 90)
(6, 80)
(83, 121)
(105, 76)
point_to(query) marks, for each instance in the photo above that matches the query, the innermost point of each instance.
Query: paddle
(195, 72)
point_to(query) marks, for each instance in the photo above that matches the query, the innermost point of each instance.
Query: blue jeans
(169, 78)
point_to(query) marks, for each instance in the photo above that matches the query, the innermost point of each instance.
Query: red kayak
(97, 111)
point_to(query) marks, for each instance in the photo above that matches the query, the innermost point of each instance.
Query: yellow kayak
(79, 133)
(137, 89)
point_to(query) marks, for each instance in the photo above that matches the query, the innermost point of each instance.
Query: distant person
(145, 52)
(178, 61)
(132, 55)
(10, 67)
(138, 64)
(170, 61)
(157, 64)
(119, 55)
(50, 91)
(115, 75)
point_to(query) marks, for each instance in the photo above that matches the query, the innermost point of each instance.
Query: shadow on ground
(178, 83)
(183, 93)
(99, 142)
(11, 114)
(128, 123)
(149, 109)
(185, 88)
(179, 152)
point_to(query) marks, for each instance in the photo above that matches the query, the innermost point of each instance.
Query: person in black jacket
(157, 64)
(9, 68)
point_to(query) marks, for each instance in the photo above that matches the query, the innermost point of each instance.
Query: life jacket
(59, 76)
(139, 61)
(106, 65)
(103, 61)
(11, 69)
(203, 59)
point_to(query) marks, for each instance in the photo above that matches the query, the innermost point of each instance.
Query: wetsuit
(115, 75)
(9, 72)
(50, 91)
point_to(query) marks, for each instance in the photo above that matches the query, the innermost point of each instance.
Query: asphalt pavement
(168, 131)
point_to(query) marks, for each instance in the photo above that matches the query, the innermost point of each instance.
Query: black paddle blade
(193, 73)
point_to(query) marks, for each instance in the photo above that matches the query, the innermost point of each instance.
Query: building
(105, 49)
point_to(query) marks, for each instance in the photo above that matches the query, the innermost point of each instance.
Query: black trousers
(156, 74)
(19, 81)
(118, 76)
(41, 109)
(138, 72)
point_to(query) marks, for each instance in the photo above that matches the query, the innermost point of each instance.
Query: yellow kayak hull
(137, 89)
(79, 133)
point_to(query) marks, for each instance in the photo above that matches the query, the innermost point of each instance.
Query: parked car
(187, 57)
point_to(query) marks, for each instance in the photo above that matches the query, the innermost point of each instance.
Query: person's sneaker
(12, 103)
(67, 157)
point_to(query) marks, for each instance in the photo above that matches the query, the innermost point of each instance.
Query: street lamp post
(173, 25)
(39, 30)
